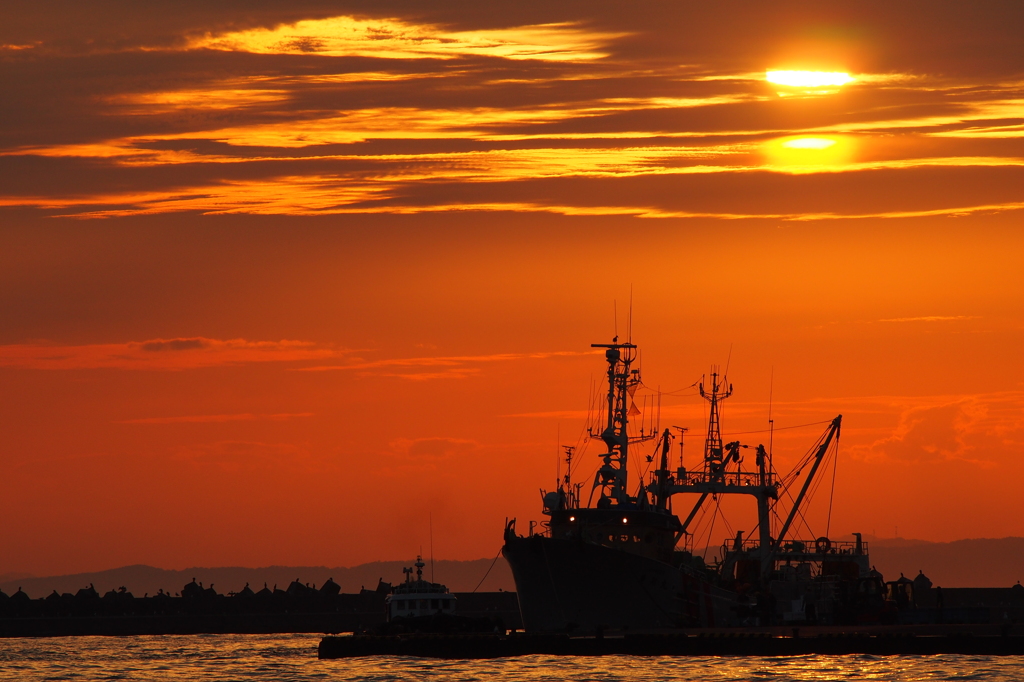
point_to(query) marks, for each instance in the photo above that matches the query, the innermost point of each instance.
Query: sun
(808, 79)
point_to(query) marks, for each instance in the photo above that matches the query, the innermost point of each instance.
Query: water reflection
(293, 657)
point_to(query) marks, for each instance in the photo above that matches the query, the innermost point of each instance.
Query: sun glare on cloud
(809, 154)
(809, 79)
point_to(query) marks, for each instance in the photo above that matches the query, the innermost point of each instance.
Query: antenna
(771, 430)
(431, 519)
(682, 432)
(615, 316)
(571, 498)
(629, 322)
(658, 425)
(558, 455)
(771, 422)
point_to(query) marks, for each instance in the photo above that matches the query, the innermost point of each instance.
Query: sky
(316, 282)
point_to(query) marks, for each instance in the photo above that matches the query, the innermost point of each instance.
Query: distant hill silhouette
(981, 562)
(962, 563)
(459, 576)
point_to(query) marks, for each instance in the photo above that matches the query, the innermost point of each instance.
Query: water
(293, 657)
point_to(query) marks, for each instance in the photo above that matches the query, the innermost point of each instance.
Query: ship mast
(662, 475)
(714, 479)
(714, 461)
(570, 494)
(713, 444)
(611, 476)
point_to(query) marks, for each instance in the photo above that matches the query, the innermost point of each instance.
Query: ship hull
(567, 585)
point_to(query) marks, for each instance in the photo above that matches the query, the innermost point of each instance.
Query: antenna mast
(682, 432)
(572, 495)
(622, 380)
(713, 448)
(431, 546)
(771, 422)
(714, 479)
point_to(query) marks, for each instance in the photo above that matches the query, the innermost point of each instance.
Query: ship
(418, 598)
(421, 606)
(625, 561)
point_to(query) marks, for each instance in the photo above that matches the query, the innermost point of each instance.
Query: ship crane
(819, 456)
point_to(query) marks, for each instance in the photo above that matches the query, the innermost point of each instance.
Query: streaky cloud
(161, 354)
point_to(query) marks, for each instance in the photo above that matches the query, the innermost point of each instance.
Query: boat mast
(611, 477)
(714, 465)
(713, 444)
(570, 492)
(715, 479)
(663, 476)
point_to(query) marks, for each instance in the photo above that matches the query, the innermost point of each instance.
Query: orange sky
(278, 280)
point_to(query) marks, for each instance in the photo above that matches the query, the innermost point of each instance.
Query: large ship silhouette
(624, 562)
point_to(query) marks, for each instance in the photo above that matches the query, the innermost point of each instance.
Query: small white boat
(419, 598)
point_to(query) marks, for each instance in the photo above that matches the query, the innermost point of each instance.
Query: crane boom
(833, 431)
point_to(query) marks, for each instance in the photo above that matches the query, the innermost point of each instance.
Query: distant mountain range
(983, 562)
(962, 563)
(459, 576)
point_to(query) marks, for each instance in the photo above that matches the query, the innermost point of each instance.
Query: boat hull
(568, 585)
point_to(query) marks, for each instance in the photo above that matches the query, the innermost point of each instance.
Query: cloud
(422, 456)
(455, 367)
(931, 318)
(344, 36)
(161, 354)
(175, 344)
(197, 352)
(216, 418)
(238, 455)
(928, 434)
(556, 414)
(406, 107)
(429, 376)
(977, 429)
(431, 449)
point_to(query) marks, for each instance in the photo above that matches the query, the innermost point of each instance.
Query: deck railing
(737, 478)
(836, 547)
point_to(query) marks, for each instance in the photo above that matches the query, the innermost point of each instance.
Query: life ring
(822, 545)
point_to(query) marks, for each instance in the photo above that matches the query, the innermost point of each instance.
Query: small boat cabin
(419, 597)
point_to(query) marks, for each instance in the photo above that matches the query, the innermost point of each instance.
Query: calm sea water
(293, 657)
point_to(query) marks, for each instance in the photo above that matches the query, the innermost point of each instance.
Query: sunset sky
(281, 282)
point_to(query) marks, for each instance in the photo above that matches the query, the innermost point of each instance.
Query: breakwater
(197, 609)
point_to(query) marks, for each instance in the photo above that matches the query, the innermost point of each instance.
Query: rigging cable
(677, 392)
(488, 571)
(792, 477)
(711, 529)
(780, 428)
(698, 534)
